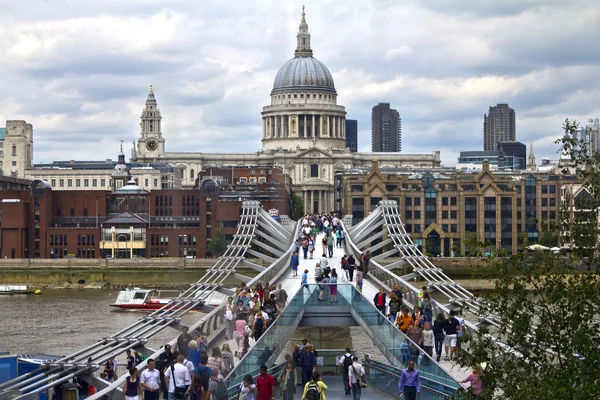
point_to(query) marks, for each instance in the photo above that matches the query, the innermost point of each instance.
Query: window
(453, 228)
(14, 163)
(553, 202)
(314, 171)
(72, 212)
(356, 188)
(53, 183)
(408, 215)
(408, 201)
(156, 183)
(445, 227)
(86, 182)
(417, 228)
(544, 189)
(444, 214)
(62, 183)
(417, 214)
(444, 201)
(519, 202)
(453, 214)
(102, 182)
(94, 182)
(252, 179)
(14, 152)
(69, 182)
(85, 214)
(146, 182)
(417, 201)
(252, 172)
(552, 189)
(78, 182)
(192, 174)
(452, 201)
(552, 214)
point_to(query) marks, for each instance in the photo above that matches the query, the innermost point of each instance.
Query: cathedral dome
(302, 72)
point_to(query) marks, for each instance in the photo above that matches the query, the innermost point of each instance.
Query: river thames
(60, 322)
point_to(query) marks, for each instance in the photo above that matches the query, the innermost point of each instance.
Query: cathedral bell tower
(151, 143)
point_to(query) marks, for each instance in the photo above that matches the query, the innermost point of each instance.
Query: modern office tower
(498, 126)
(517, 150)
(352, 135)
(386, 129)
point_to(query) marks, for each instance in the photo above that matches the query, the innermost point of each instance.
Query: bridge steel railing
(256, 227)
(385, 226)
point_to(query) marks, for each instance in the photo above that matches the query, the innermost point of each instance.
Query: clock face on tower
(151, 145)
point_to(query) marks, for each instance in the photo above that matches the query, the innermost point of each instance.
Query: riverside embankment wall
(161, 272)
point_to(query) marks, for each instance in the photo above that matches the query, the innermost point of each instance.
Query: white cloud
(79, 71)
(399, 52)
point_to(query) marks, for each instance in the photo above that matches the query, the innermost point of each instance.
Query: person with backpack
(356, 374)
(393, 307)
(345, 363)
(265, 385)
(204, 371)
(281, 296)
(216, 388)
(427, 308)
(258, 327)
(315, 388)
(271, 307)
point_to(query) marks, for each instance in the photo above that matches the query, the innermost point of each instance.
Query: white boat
(14, 289)
(149, 299)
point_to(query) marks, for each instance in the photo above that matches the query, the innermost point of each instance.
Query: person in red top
(380, 300)
(265, 384)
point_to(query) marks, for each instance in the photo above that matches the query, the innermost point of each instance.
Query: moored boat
(14, 289)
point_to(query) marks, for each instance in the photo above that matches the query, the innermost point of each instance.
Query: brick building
(441, 208)
(130, 221)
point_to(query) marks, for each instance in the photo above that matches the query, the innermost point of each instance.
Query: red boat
(149, 299)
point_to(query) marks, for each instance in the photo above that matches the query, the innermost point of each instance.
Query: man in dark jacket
(308, 362)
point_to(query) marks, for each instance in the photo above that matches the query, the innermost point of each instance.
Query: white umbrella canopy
(537, 247)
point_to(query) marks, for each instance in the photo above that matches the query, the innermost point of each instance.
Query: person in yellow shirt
(315, 388)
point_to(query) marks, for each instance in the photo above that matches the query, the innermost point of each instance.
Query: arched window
(192, 175)
(314, 171)
(14, 150)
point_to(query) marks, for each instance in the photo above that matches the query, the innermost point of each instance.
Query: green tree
(549, 236)
(217, 244)
(297, 207)
(547, 309)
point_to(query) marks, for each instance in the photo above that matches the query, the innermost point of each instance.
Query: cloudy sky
(79, 70)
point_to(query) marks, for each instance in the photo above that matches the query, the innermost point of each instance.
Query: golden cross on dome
(151, 88)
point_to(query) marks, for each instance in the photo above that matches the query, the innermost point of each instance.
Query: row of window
(86, 252)
(86, 240)
(58, 240)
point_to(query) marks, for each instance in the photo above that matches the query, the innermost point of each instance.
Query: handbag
(180, 391)
(361, 379)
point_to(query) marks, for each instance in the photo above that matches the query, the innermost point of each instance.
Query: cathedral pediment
(314, 153)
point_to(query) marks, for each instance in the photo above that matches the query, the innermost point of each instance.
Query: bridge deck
(292, 286)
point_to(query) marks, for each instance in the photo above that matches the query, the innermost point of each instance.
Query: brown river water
(60, 322)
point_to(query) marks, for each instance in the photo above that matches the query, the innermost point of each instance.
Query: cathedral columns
(321, 201)
(304, 127)
(335, 127)
(313, 126)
